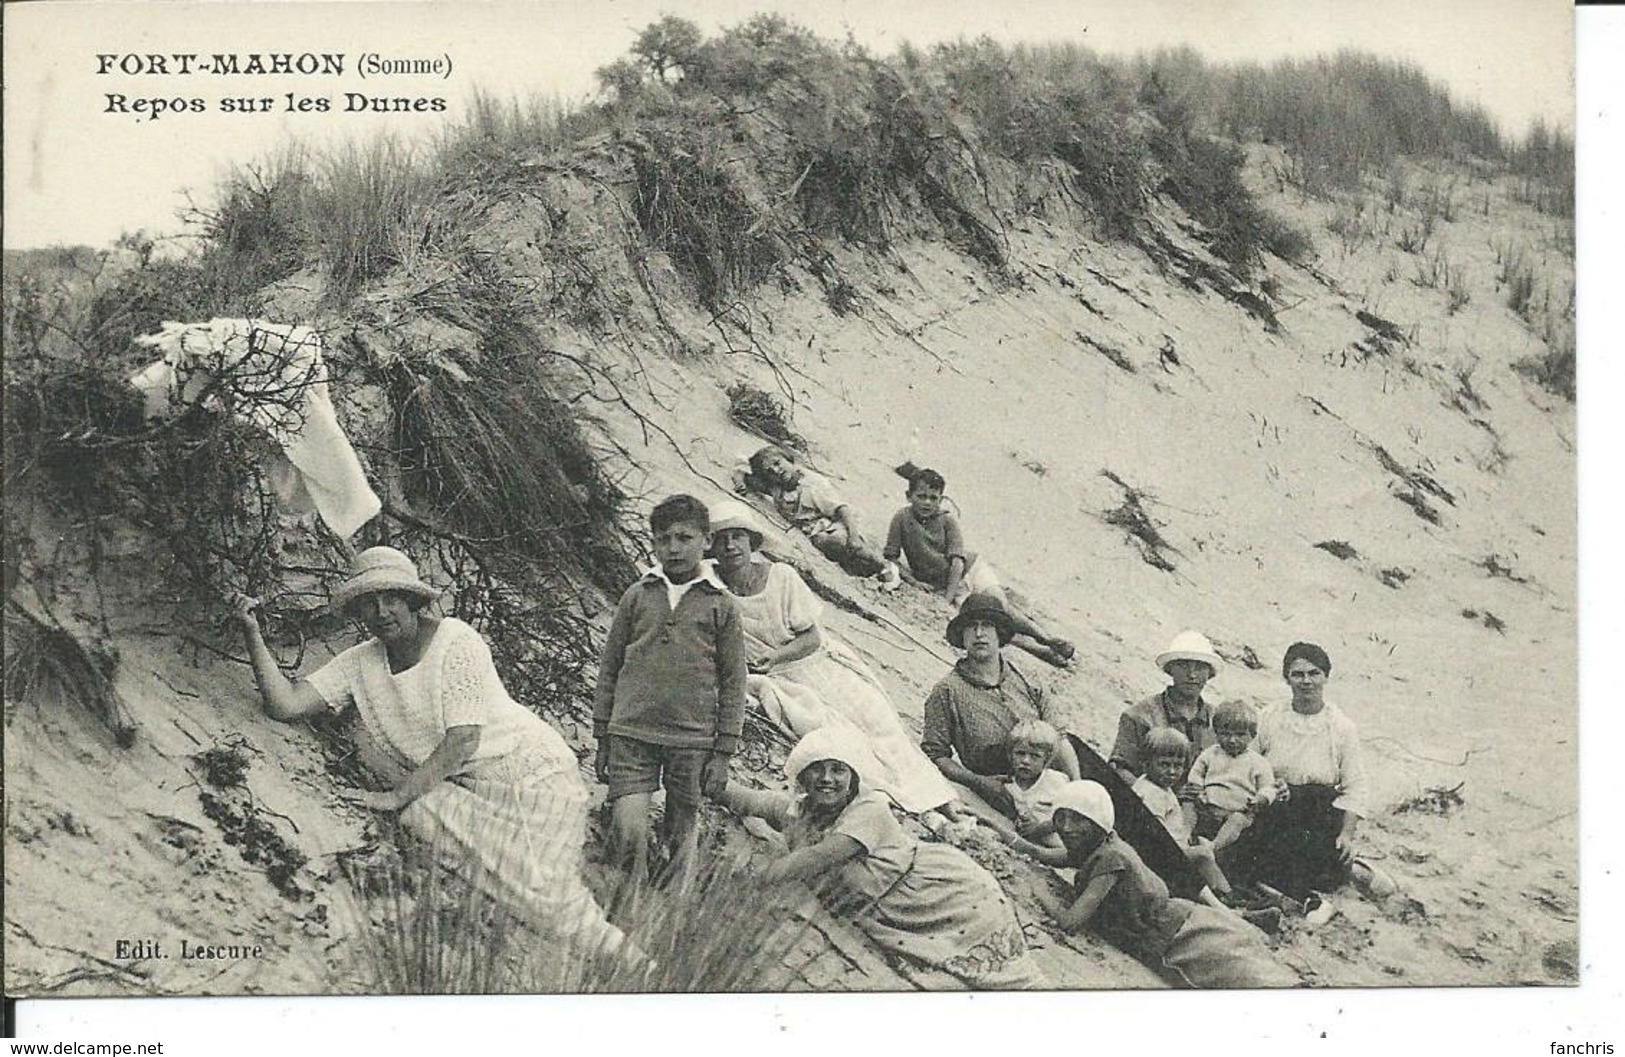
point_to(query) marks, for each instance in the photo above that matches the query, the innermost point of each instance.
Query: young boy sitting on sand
(929, 537)
(808, 502)
(1166, 751)
(1230, 781)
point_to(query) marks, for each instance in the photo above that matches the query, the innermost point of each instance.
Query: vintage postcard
(532, 498)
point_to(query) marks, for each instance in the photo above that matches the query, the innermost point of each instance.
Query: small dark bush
(1338, 549)
(761, 413)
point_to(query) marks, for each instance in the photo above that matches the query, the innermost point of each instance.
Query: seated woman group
(485, 781)
(1267, 800)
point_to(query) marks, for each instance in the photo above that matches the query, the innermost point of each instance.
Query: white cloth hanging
(279, 371)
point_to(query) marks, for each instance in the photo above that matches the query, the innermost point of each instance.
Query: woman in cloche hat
(1117, 895)
(929, 903)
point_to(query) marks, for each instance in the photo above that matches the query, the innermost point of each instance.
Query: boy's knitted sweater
(669, 676)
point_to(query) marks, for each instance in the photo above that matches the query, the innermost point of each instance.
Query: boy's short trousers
(642, 767)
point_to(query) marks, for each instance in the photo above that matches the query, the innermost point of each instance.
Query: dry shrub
(78, 445)
(760, 412)
(1554, 369)
(1132, 518)
(690, 204)
(1437, 800)
(489, 448)
(1338, 549)
(1516, 274)
(46, 663)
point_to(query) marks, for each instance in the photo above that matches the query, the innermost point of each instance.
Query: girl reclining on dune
(1117, 895)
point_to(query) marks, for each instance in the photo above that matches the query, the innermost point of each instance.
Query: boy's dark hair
(758, 458)
(928, 477)
(679, 509)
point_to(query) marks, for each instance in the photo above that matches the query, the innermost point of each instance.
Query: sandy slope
(1249, 447)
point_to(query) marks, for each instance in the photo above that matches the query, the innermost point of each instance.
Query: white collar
(707, 572)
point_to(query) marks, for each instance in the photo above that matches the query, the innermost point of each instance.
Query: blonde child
(1230, 781)
(1166, 751)
(1033, 785)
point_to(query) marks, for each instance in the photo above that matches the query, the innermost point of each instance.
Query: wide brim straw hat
(1090, 800)
(381, 569)
(1190, 646)
(981, 606)
(733, 514)
(832, 742)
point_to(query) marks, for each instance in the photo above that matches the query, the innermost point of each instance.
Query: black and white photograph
(740, 498)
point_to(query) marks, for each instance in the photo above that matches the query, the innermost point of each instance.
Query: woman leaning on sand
(489, 785)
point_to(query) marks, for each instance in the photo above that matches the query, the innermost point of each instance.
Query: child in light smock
(1230, 781)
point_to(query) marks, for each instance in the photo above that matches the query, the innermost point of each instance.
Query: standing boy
(670, 699)
(929, 537)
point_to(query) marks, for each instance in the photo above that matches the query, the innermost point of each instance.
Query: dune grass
(847, 145)
(426, 929)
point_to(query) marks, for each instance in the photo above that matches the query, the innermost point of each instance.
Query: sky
(76, 173)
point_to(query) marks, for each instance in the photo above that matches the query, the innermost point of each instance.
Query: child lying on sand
(808, 502)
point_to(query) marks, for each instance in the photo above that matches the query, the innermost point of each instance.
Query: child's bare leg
(1201, 857)
(854, 554)
(629, 844)
(1026, 625)
(682, 840)
(1235, 824)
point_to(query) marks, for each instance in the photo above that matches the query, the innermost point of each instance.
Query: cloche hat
(381, 569)
(1090, 800)
(733, 514)
(981, 606)
(833, 742)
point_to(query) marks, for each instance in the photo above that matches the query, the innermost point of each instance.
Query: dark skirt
(1292, 845)
(1142, 830)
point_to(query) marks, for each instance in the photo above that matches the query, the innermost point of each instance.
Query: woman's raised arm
(283, 699)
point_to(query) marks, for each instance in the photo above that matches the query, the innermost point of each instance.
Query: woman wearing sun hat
(489, 785)
(803, 677)
(1189, 662)
(972, 709)
(928, 902)
(1118, 896)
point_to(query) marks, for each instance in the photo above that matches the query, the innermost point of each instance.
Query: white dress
(515, 818)
(831, 686)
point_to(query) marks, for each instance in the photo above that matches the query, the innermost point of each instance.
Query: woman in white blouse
(477, 777)
(1303, 843)
(803, 677)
